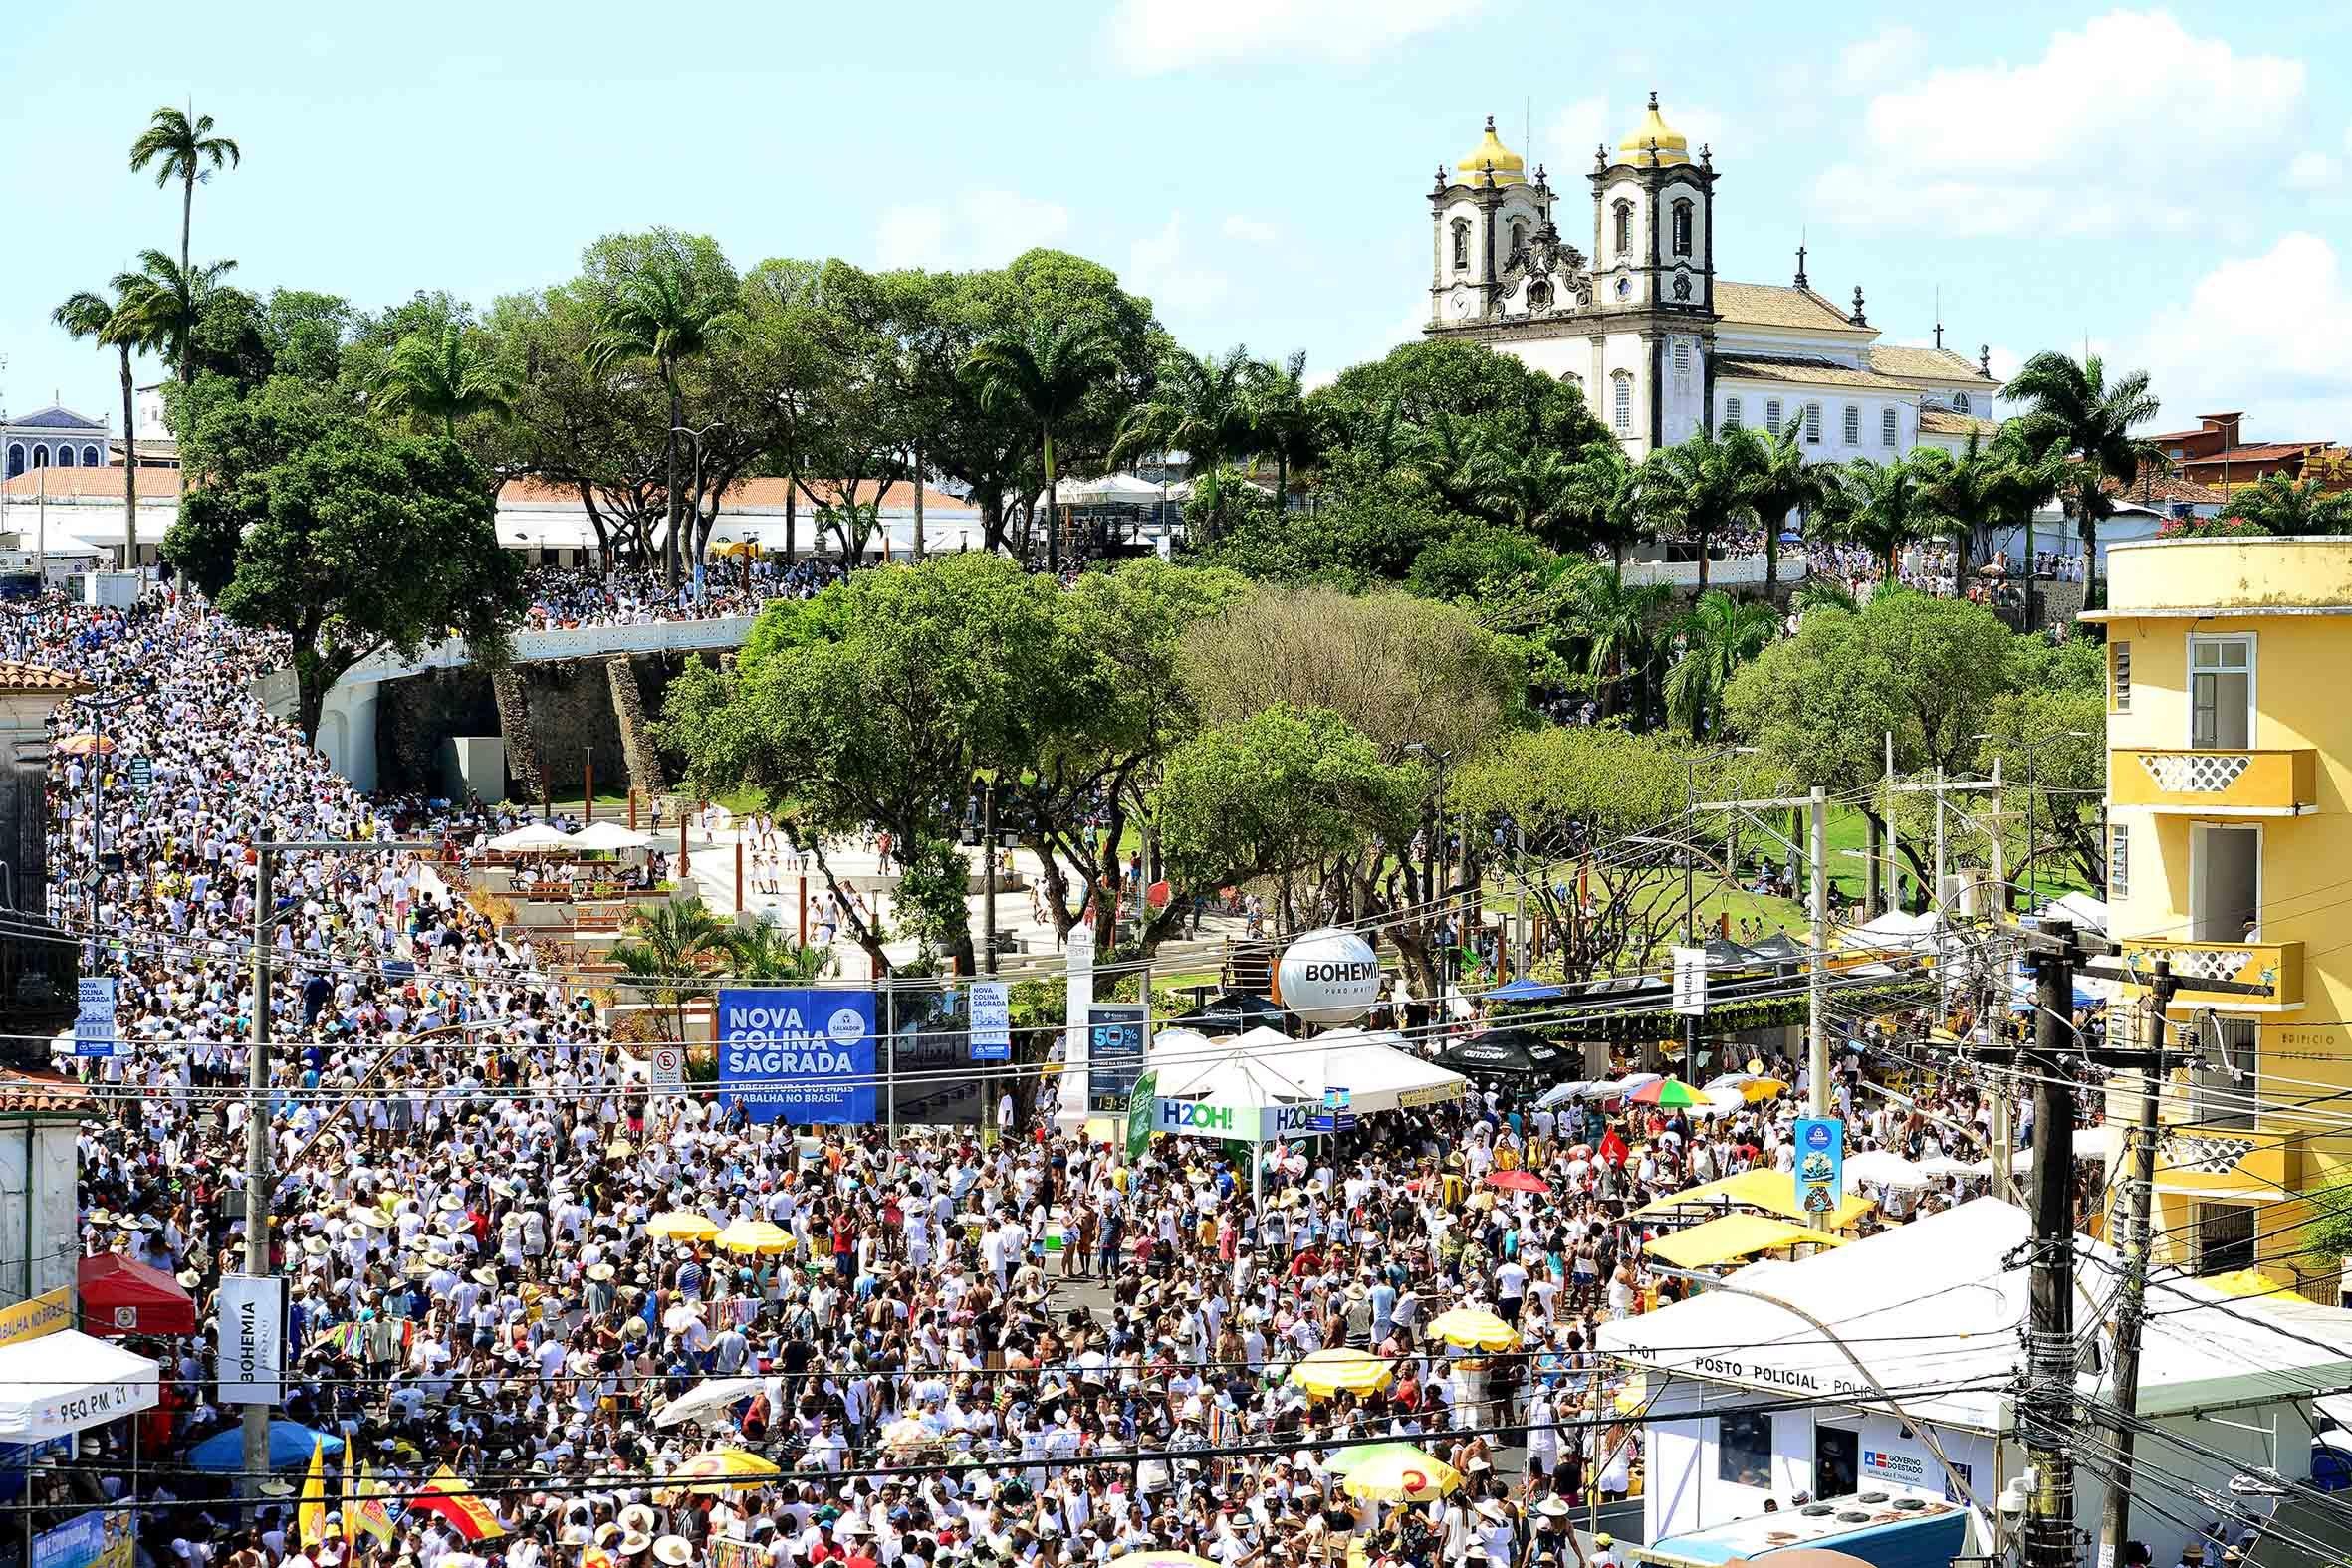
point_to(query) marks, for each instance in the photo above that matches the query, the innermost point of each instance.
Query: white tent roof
(1110, 488)
(532, 835)
(2082, 909)
(1896, 932)
(607, 835)
(61, 1383)
(1934, 1309)
(1263, 1067)
(1380, 1076)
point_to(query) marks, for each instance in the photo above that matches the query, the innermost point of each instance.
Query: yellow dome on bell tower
(1669, 144)
(1490, 154)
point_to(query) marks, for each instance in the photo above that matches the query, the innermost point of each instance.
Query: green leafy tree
(435, 380)
(1276, 793)
(1719, 635)
(351, 540)
(1283, 424)
(760, 950)
(666, 307)
(175, 298)
(1546, 797)
(1603, 502)
(1620, 627)
(179, 144)
(2281, 504)
(1698, 488)
(1924, 670)
(128, 323)
(1043, 375)
(1882, 507)
(671, 950)
(877, 703)
(1200, 407)
(1481, 566)
(2073, 407)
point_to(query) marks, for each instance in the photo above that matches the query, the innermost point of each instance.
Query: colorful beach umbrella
(1397, 1473)
(755, 1238)
(1468, 1328)
(716, 1470)
(1518, 1182)
(1667, 1094)
(680, 1225)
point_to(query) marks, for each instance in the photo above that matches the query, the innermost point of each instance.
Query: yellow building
(2229, 853)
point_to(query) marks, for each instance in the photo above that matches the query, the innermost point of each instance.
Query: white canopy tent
(61, 1383)
(1110, 489)
(1261, 1067)
(1379, 1074)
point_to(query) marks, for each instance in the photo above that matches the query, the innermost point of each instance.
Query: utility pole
(256, 1419)
(988, 856)
(2001, 858)
(2049, 1408)
(2131, 1307)
(1894, 868)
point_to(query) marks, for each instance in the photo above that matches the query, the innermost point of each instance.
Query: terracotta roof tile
(94, 484)
(28, 1092)
(1804, 371)
(1942, 421)
(2153, 488)
(1936, 364)
(2258, 452)
(1778, 305)
(18, 676)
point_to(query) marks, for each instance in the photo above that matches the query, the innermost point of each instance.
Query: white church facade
(1660, 346)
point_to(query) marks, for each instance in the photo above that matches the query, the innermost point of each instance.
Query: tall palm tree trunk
(187, 218)
(129, 469)
(670, 500)
(1703, 536)
(2087, 524)
(1052, 513)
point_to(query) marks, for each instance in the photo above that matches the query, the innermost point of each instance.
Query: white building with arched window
(52, 437)
(1660, 345)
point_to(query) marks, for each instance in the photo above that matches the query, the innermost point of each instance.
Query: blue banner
(1114, 1052)
(1821, 1164)
(798, 1055)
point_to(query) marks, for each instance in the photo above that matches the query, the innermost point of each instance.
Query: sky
(2168, 186)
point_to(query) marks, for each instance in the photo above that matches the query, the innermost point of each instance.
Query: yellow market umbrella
(1161, 1560)
(718, 1470)
(1397, 1473)
(679, 1226)
(1324, 1373)
(1468, 1328)
(756, 1237)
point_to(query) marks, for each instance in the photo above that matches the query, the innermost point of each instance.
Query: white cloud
(980, 228)
(1148, 37)
(1164, 270)
(2313, 171)
(1251, 231)
(2259, 332)
(1890, 53)
(2125, 122)
(1586, 122)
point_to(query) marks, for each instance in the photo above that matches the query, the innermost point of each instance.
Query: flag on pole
(450, 1496)
(310, 1518)
(371, 1512)
(1612, 1148)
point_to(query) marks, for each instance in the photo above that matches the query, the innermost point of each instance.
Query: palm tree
(1283, 424)
(1881, 506)
(1779, 480)
(1698, 488)
(1819, 591)
(1971, 492)
(671, 948)
(659, 312)
(179, 142)
(1618, 626)
(1602, 505)
(173, 297)
(1534, 487)
(129, 325)
(438, 378)
(1043, 377)
(2073, 407)
(2281, 504)
(759, 950)
(1719, 635)
(1200, 407)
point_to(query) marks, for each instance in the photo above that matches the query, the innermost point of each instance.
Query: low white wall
(1742, 572)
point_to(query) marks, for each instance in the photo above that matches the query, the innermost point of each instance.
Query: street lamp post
(2032, 801)
(257, 1096)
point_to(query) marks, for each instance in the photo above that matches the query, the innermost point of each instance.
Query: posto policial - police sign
(1329, 977)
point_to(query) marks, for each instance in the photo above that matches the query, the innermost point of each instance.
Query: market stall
(123, 1296)
(63, 1383)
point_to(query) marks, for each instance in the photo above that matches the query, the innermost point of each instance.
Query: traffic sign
(667, 1067)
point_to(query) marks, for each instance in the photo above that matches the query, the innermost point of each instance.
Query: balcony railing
(2214, 784)
(2278, 964)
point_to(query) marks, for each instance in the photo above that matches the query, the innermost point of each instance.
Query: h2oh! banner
(798, 1055)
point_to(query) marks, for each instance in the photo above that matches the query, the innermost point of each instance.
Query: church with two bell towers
(1660, 346)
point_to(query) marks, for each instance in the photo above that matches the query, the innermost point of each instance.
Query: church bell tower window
(1624, 229)
(1461, 243)
(1622, 400)
(1681, 228)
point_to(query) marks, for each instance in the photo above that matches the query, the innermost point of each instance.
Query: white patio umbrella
(607, 835)
(532, 835)
(705, 1399)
